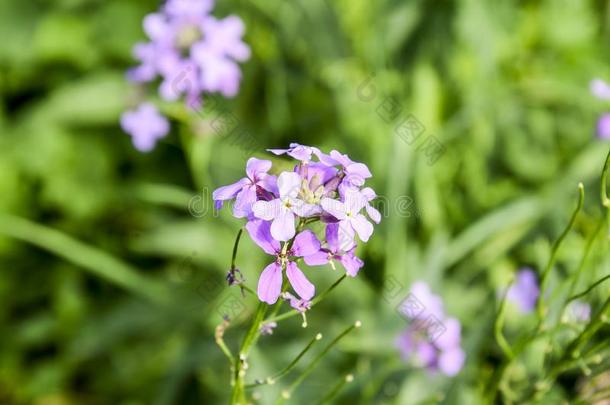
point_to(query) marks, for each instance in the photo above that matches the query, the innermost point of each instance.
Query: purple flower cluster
(192, 53)
(328, 190)
(601, 90)
(424, 346)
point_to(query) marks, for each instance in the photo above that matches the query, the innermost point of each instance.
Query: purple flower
(436, 353)
(281, 211)
(333, 252)
(314, 191)
(145, 125)
(524, 291)
(349, 217)
(299, 152)
(191, 51)
(270, 281)
(603, 126)
(245, 190)
(600, 89)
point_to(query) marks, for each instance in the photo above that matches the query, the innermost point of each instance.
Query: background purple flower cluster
(417, 343)
(191, 52)
(279, 208)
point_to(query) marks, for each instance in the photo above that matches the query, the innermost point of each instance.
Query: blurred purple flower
(436, 353)
(600, 89)
(191, 51)
(578, 311)
(524, 291)
(603, 126)
(266, 328)
(145, 125)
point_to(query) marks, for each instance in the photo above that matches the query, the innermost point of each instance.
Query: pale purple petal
(270, 283)
(354, 201)
(260, 233)
(373, 213)
(244, 201)
(282, 227)
(351, 263)
(346, 236)
(319, 258)
(299, 282)
(450, 337)
(332, 237)
(289, 184)
(305, 243)
(304, 210)
(334, 207)
(267, 210)
(362, 226)
(450, 362)
(255, 167)
(228, 192)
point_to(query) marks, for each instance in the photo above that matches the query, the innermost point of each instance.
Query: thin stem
(240, 361)
(544, 279)
(332, 394)
(219, 337)
(294, 312)
(588, 290)
(287, 393)
(289, 367)
(604, 195)
(235, 246)
(582, 263)
(499, 323)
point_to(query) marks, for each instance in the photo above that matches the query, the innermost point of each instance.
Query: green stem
(588, 290)
(235, 246)
(499, 323)
(240, 361)
(540, 310)
(288, 393)
(604, 195)
(286, 370)
(332, 394)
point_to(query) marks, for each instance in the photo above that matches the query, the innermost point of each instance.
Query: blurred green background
(112, 262)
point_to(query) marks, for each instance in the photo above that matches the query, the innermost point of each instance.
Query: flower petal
(373, 213)
(260, 233)
(319, 258)
(267, 210)
(305, 244)
(244, 201)
(282, 227)
(304, 210)
(334, 207)
(363, 228)
(345, 236)
(255, 167)
(270, 283)
(230, 191)
(352, 263)
(450, 362)
(299, 282)
(289, 184)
